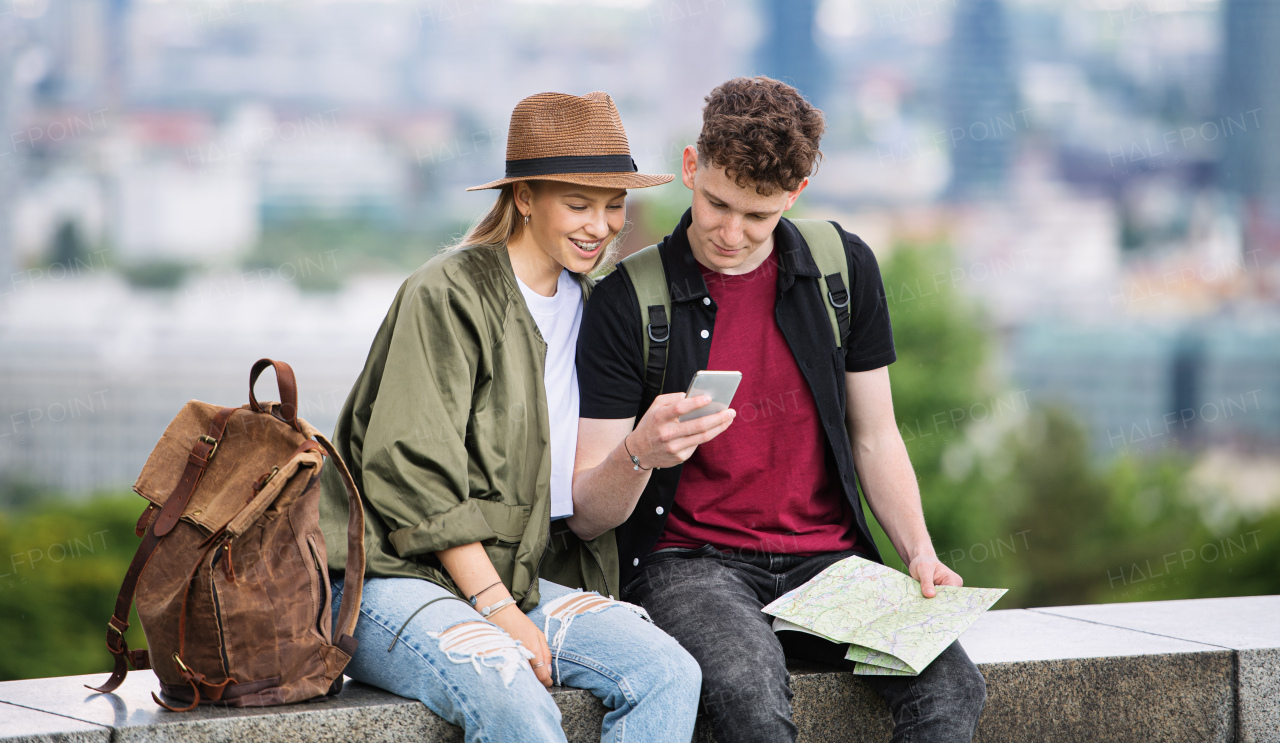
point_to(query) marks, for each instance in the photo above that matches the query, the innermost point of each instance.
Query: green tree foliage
(940, 389)
(1012, 495)
(61, 564)
(1091, 522)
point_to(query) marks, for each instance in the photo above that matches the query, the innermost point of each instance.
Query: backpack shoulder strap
(649, 279)
(827, 247)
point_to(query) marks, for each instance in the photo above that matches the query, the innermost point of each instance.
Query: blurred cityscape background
(1075, 205)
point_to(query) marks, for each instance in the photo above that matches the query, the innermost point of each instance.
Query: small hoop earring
(526, 219)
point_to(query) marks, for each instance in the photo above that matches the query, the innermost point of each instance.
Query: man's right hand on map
(891, 628)
(930, 572)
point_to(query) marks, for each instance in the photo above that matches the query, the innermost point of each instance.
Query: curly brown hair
(762, 132)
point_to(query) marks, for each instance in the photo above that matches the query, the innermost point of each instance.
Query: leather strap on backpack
(288, 390)
(352, 592)
(202, 452)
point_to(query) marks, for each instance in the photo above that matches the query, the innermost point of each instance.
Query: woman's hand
(473, 572)
(523, 629)
(661, 440)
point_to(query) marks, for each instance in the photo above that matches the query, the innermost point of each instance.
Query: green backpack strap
(827, 247)
(649, 279)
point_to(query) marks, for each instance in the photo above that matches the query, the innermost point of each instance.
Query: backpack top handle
(288, 410)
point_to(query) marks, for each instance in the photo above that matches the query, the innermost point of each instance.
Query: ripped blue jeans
(473, 674)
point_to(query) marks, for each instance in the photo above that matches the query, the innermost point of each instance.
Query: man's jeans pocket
(677, 553)
(665, 555)
(670, 551)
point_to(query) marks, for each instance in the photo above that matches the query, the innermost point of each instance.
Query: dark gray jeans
(710, 602)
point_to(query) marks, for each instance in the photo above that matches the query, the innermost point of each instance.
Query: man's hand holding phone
(662, 440)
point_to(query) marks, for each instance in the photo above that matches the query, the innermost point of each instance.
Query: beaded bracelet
(476, 595)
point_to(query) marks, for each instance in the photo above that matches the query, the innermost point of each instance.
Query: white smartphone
(720, 385)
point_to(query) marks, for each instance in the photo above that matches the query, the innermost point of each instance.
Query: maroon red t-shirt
(763, 483)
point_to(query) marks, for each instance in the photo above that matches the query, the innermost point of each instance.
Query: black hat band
(570, 164)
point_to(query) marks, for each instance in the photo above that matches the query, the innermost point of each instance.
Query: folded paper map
(891, 629)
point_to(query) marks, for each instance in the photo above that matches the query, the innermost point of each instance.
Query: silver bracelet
(635, 461)
(492, 609)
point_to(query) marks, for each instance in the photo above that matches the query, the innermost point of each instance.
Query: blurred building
(1080, 146)
(981, 100)
(1142, 387)
(8, 175)
(91, 372)
(1250, 164)
(1043, 251)
(78, 39)
(328, 171)
(164, 211)
(789, 51)
(69, 199)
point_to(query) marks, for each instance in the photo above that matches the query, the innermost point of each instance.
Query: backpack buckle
(182, 667)
(843, 301)
(666, 333)
(206, 438)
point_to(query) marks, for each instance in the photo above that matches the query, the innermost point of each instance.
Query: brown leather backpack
(231, 578)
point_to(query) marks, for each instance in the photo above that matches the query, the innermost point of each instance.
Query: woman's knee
(667, 669)
(528, 704)
(682, 665)
(650, 660)
(479, 671)
(522, 710)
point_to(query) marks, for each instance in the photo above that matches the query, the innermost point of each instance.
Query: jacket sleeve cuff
(462, 524)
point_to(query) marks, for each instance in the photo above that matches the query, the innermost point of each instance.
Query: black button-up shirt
(611, 359)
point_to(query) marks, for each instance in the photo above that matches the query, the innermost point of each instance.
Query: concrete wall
(1201, 671)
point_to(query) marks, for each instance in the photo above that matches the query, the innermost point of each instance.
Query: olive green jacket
(447, 437)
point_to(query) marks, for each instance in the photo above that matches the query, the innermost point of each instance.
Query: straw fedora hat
(571, 139)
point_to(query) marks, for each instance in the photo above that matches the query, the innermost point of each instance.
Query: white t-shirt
(558, 318)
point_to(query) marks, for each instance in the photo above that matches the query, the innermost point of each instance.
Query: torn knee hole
(581, 604)
(570, 606)
(483, 645)
(475, 638)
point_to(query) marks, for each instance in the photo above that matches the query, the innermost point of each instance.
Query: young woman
(461, 433)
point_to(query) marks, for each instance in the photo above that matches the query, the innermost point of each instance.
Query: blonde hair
(504, 222)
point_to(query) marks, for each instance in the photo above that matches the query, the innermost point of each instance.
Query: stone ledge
(1203, 670)
(21, 723)
(1248, 625)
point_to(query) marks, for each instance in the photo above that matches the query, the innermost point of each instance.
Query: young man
(718, 516)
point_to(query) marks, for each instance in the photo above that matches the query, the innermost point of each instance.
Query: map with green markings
(891, 629)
